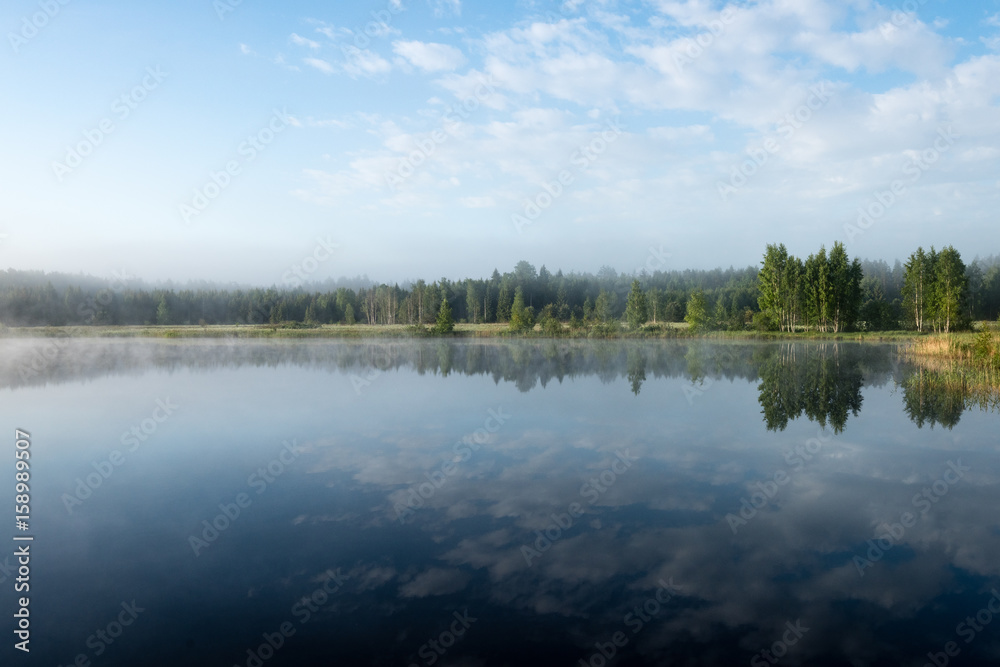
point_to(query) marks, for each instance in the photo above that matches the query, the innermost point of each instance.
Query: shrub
(552, 327)
(764, 322)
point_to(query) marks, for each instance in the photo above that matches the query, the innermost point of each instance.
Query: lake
(490, 502)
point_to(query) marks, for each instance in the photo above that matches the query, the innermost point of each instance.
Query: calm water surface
(500, 503)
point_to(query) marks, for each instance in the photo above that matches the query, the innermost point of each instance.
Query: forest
(931, 291)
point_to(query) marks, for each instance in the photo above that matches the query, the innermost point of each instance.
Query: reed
(967, 362)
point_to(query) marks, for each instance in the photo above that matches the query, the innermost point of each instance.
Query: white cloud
(333, 32)
(303, 41)
(360, 63)
(477, 202)
(474, 85)
(365, 63)
(329, 122)
(446, 7)
(435, 581)
(686, 135)
(320, 64)
(556, 83)
(429, 56)
(910, 47)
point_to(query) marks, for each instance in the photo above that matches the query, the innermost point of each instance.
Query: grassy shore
(965, 362)
(296, 330)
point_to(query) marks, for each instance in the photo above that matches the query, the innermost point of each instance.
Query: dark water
(498, 503)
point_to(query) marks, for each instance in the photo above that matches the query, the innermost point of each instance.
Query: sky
(229, 140)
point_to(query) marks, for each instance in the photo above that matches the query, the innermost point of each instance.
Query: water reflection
(636, 369)
(822, 381)
(540, 497)
(823, 384)
(928, 400)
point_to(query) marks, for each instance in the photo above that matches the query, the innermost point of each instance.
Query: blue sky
(446, 137)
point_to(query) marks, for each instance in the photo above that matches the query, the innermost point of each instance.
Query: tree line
(830, 292)
(933, 290)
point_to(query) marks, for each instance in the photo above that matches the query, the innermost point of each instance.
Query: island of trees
(933, 290)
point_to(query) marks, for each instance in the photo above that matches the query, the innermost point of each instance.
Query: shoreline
(662, 331)
(968, 361)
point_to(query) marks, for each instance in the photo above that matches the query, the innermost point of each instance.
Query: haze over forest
(228, 141)
(934, 290)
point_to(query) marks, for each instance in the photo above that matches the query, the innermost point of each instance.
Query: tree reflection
(823, 381)
(636, 369)
(814, 380)
(929, 399)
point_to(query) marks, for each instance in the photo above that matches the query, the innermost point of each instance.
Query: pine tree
(604, 306)
(472, 302)
(697, 313)
(518, 315)
(636, 311)
(163, 311)
(504, 303)
(445, 322)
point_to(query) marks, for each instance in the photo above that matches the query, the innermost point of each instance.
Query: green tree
(562, 302)
(519, 316)
(780, 283)
(310, 316)
(526, 278)
(876, 313)
(918, 285)
(697, 312)
(845, 289)
(791, 291)
(653, 299)
(816, 290)
(770, 281)
(720, 315)
(951, 287)
(163, 311)
(504, 303)
(529, 318)
(933, 306)
(548, 321)
(473, 302)
(974, 278)
(636, 311)
(445, 322)
(604, 306)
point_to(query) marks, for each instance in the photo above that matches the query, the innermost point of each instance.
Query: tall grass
(967, 362)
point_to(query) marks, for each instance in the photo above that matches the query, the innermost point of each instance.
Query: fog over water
(520, 501)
